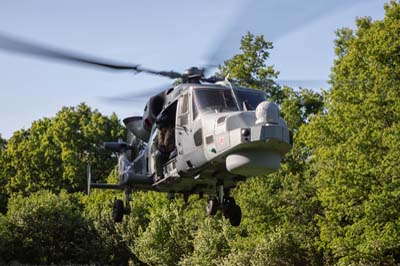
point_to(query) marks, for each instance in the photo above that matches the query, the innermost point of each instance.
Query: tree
(249, 68)
(3, 180)
(285, 201)
(45, 228)
(282, 247)
(355, 145)
(111, 243)
(3, 143)
(54, 152)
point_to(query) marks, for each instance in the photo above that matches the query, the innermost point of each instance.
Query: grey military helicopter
(220, 134)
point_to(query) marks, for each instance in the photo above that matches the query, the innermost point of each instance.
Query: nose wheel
(227, 205)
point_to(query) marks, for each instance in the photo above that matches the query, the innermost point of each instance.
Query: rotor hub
(193, 74)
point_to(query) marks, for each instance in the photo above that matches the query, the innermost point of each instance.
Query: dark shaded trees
(3, 179)
(46, 228)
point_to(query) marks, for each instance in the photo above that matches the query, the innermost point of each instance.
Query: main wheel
(212, 206)
(235, 215)
(232, 211)
(227, 208)
(118, 210)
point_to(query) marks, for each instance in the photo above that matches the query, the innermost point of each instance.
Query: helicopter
(220, 134)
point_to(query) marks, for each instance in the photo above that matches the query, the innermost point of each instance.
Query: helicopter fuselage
(216, 141)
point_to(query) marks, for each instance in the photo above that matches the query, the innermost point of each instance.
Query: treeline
(335, 200)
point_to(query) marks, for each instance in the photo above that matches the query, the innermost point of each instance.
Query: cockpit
(249, 99)
(214, 100)
(221, 100)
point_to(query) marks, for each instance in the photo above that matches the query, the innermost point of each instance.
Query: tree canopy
(54, 152)
(355, 151)
(250, 67)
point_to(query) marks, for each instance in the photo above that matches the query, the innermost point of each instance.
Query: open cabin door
(188, 132)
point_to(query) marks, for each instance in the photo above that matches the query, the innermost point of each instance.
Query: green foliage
(298, 106)
(3, 179)
(167, 235)
(355, 146)
(162, 243)
(47, 228)
(111, 245)
(281, 247)
(210, 243)
(3, 143)
(249, 68)
(53, 153)
(6, 240)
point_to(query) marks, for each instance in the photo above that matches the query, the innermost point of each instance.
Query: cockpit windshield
(214, 100)
(250, 98)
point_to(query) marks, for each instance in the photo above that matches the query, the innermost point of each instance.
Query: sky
(162, 35)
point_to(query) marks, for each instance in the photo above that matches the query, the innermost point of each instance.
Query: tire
(230, 200)
(212, 206)
(235, 215)
(227, 208)
(118, 210)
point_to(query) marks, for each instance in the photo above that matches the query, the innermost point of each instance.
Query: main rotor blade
(135, 97)
(17, 45)
(304, 83)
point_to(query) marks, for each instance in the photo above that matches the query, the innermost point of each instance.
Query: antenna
(89, 177)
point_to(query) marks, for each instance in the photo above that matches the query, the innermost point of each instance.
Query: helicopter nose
(267, 113)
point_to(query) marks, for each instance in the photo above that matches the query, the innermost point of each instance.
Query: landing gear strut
(212, 206)
(226, 204)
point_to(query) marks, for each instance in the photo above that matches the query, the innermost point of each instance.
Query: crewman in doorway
(165, 142)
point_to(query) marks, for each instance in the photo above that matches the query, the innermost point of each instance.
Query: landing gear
(227, 205)
(118, 210)
(232, 211)
(212, 206)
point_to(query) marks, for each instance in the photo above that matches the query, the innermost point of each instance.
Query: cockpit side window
(251, 98)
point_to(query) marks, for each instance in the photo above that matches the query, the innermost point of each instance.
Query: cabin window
(184, 108)
(185, 104)
(184, 120)
(198, 137)
(195, 109)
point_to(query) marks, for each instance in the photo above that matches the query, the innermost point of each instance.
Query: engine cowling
(152, 110)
